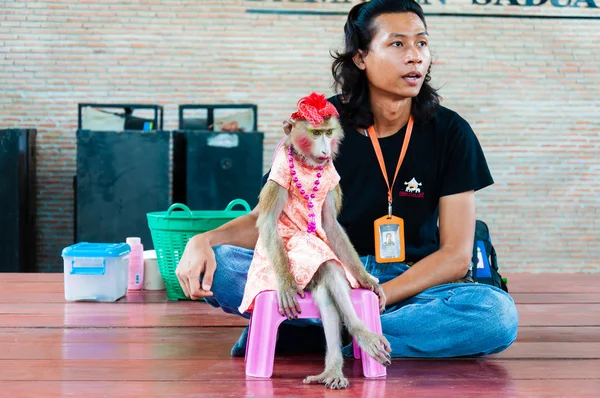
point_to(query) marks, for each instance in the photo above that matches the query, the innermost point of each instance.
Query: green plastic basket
(171, 230)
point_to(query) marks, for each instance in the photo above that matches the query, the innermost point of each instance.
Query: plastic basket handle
(238, 202)
(88, 270)
(180, 206)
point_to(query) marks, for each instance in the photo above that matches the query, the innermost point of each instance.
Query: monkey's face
(317, 144)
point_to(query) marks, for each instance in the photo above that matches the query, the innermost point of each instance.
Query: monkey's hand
(368, 281)
(287, 295)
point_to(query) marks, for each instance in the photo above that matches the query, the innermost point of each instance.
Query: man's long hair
(351, 82)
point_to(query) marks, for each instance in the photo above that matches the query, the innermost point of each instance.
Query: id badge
(389, 239)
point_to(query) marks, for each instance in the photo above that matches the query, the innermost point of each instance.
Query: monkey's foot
(375, 345)
(332, 378)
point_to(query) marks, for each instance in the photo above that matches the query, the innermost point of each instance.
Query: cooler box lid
(85, 249)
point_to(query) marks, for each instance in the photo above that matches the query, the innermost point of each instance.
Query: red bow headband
(315, 109)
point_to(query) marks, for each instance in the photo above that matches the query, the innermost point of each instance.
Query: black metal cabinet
(121, 176)
(211, 169)
(17, 200)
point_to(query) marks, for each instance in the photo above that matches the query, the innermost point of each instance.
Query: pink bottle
(136, 264)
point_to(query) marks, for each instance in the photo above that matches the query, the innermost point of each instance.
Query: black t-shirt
(443, 157)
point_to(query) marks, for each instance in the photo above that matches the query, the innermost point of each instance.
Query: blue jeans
(450, 320)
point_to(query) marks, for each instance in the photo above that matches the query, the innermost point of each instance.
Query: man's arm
(199, 259)
(451, 262)
(240, 231)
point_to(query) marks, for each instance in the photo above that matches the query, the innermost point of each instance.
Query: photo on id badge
(389, 240)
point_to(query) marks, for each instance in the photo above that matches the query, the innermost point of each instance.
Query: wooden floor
(144, 346)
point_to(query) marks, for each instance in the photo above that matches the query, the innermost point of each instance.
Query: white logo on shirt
(413, 186)
(412, 189)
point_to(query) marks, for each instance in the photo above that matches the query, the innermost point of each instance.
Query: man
(433, 309)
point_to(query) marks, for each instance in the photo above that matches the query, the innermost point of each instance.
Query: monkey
(303, 247)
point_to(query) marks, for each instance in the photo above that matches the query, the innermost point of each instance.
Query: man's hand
(198, 258)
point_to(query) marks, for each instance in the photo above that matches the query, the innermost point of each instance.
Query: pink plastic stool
(265, 320)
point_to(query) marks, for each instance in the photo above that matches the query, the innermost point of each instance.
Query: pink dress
(306, 252)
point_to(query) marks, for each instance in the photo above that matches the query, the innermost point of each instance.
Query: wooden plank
(192, 308)
(234, 369)
(204, 343)
(553, 283)
(550, 350)
(189, 314)
(553, 298)
(173, 335)
(19, 288)
(81, 308)
(31, 277)
(150, 336)
(518, 282)
(568, 334)
(8, 296)
(179, 314)
(572, 283)
(119, 320)
(559, 314)
(464, 388)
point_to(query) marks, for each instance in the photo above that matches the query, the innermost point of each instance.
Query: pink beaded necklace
(312, 226)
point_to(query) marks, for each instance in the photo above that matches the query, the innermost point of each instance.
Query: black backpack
(484, 263)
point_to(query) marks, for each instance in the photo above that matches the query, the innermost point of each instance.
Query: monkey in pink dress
(301, 245)
(306, 251)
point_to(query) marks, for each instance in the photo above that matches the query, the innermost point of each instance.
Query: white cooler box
(96, 271)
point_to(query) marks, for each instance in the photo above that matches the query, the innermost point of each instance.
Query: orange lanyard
(377, 148)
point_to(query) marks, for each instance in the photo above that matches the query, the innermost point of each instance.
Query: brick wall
(529, 87)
